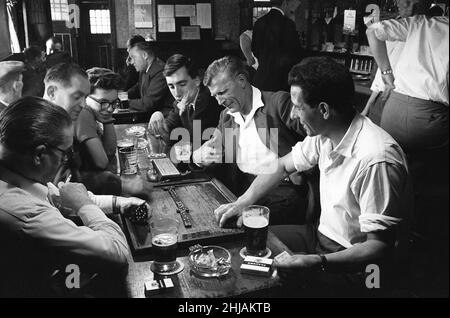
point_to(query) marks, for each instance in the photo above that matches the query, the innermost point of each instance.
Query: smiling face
(310, 117)
(182, 84)
(71, 97)
(230, 92)
(102, 96)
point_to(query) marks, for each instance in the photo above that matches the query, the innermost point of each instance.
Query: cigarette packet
(257, 266)
(154, 287)
(282, 256)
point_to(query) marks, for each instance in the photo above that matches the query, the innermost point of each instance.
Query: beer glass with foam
(256, 225)
(164, 244)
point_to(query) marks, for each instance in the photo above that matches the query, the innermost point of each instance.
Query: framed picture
(191, 32)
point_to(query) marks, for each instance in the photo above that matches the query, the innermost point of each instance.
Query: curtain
(12, 23)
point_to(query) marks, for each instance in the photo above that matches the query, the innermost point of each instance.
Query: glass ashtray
(210, 261)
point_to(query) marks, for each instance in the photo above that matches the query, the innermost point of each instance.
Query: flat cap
(9, 69)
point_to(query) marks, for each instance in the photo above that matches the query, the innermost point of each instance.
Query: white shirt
(422, 68)
(252, 154)
(362, 181)
(394, 50)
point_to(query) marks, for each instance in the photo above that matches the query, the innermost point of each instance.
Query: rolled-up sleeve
(392, 30)
(305, 154)
(381, 191)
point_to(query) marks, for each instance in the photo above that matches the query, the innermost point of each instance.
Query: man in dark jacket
(276, 45)
(193, 103)
(151, 91)
(254, 130)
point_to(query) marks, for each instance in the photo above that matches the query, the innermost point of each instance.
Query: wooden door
(97, 33)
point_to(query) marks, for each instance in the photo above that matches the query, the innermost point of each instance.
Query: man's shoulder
(275, 100)
(17, 204)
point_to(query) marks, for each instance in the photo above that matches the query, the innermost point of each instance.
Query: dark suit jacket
(151, 91)
(33, 82)
(56, 58)
(277, 47)
(274, 114)
(207, 110)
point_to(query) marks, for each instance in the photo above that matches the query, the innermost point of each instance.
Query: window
(260, 8)
(99, 21)
(60, 10)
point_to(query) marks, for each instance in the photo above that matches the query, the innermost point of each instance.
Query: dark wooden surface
(201, 198)
(189, 285)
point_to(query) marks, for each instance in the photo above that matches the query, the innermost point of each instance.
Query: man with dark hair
(150, 92)
(193, 102)
(254, 130)
(37, 240)
(55, 53)
(363, 178)
(131, 76)
(276, 45)
(33, 77)
(11, 83)
(67, 86)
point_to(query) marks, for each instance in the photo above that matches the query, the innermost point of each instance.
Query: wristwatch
(386, 72)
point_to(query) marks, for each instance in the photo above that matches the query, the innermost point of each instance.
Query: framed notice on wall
(190, 32)
(143, 16)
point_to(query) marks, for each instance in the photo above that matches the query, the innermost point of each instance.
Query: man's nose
(178, 92)
(293, 113)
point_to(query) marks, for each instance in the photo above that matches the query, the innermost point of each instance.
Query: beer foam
(256, 222)
(164, 239)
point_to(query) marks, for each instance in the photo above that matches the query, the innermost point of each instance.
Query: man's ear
(324, 109)
(38, 153)
(51, 92)
(242, 80)
(197, 81)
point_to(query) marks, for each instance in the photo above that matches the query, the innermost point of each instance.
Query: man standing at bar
(363, 179)
(254, 130)
(150, 92)
(276, 45)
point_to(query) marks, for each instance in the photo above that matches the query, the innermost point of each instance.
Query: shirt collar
(276, 8)
(34, 188)
(150, 65)
(345, 147)
(4, 103)
(256, 104)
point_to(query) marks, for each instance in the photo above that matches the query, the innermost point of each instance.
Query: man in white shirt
(37, 240)
(254, 130)
(416, 113)
(363, 177)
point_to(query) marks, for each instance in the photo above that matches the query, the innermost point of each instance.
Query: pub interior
(224, 148)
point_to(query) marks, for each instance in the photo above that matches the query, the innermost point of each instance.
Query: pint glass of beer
(164, 244)
(123, 97)
(256, 225)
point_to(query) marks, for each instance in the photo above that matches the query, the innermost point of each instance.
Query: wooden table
(188, 285)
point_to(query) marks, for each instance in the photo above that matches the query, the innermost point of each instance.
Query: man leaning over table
(37, 239)
(363, 179)
(260, 123)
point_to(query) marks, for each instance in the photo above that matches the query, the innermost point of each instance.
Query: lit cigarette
(68, 178)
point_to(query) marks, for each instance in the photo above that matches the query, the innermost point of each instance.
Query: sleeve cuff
(372, 222)
(91, 213)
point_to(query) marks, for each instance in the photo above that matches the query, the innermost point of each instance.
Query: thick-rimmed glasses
(104, 105)
(66, 154)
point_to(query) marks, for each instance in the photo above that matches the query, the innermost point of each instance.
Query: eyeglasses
(104, 105)
(66, 154)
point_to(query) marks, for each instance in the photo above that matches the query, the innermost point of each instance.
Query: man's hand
(208, 154)
(297, 266)
(227, 211)
(73, 196)
(125, 203)
(157, 125)
(136, 186)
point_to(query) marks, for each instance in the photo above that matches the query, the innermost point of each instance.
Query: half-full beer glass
(256, 225)
(164, 245)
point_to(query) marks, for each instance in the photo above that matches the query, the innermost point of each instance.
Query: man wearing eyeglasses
(36, 138)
